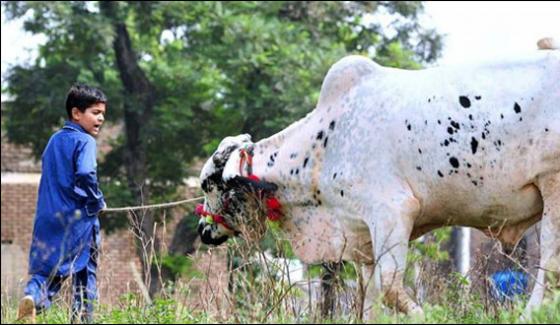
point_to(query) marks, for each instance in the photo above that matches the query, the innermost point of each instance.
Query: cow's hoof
(417, 312)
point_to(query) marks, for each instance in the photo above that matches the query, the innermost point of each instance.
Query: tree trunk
(182, 244)
(137, 113)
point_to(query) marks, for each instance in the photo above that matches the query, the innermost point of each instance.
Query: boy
(66, 226)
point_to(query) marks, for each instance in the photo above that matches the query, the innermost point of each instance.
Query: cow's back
(470, 141)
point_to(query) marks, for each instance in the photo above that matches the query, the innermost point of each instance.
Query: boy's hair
(83, 96)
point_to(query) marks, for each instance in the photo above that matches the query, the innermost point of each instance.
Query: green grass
(130, 310)
(258, 296)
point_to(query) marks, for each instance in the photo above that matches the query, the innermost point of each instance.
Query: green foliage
(347, 271)
(131, 309)
(431, 248)
(161, 311)
(218, 69)
(181, 265)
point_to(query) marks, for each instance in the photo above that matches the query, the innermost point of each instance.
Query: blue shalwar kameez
(66, 226)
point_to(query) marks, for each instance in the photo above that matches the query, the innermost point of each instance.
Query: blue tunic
(68, 203)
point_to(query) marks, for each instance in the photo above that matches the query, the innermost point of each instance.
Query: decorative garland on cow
(250, 183)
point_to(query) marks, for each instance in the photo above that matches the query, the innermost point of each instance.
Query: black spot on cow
(334, 176)
(478, 97)
(293, 155)
(450, 130)
(272, 159)
(501, 116)
(429, 100)
(546, 130)
(305, 161)
(469, 165)
(438, 122)
(446, 142)
(474, 145)
(483, 136)
(297, 171)
(520, 119)
(470, 117)
(475, 183)
(418, 168)
(455, 125)
(464, 101)
(409, 127)
(291, 171)
(517, 108)
(331, 125)
(320, 135)
(342, 193)
(419, 150)
(439, 173)
(454, 162)
(325, 142)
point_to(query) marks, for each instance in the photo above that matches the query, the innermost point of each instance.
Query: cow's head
(235, 198)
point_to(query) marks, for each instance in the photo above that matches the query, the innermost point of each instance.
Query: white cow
(388, 155)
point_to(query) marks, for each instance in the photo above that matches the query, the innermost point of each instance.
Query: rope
(152, 206)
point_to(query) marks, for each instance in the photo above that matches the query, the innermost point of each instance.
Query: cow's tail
(548, 43)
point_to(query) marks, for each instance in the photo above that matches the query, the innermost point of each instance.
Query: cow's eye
(205, 185)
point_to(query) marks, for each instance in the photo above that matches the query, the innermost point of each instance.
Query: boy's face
(91, 119)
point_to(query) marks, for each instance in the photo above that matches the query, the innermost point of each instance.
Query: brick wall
(117, 251)
(118, 261)
(18, 207)
(20, 181)
(17, 158)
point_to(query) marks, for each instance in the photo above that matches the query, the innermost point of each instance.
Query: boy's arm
(86, 178)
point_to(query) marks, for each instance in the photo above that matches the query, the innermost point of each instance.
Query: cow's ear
(231, 168)
(226, 147)
(221, 156)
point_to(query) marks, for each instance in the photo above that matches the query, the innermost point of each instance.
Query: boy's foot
(26, 310)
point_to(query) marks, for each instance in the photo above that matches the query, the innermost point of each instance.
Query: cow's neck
(292, 160)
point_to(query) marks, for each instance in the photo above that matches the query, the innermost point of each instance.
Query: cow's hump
(342, 76)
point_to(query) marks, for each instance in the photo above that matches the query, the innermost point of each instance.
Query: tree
(182, 75)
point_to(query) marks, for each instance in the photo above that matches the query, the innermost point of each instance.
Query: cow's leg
(369, 292)
(549, 187)
(389, 274)
(391, 229)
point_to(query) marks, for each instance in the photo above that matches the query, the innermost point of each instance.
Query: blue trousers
(84, 288)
